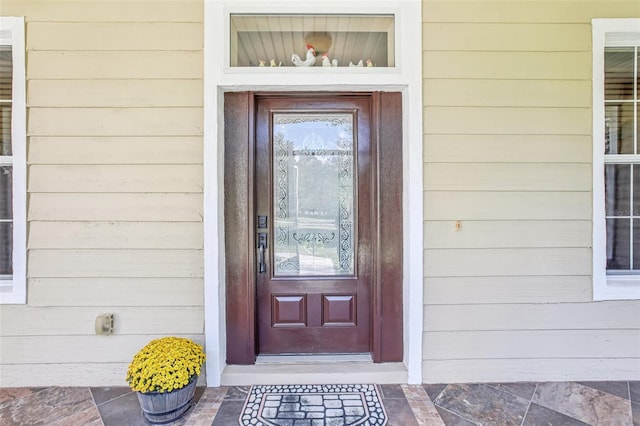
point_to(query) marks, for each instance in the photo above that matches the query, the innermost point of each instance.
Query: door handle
(262, 245)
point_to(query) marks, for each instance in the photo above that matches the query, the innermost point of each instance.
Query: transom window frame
(14, 290)
(608, 33)
(281, 34)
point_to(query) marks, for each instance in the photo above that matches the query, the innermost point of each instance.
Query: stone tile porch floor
(549, 403)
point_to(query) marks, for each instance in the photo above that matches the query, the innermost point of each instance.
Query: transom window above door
(311, 40)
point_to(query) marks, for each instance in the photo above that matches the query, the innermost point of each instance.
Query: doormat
(313, 405)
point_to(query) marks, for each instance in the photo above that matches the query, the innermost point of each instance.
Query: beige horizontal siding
(123, 291)
(116, 235)
(114, 65)
(507, 93)
(504, 262)
(119, 36)
(115, 93)
(462, 36)
(533, 11)
(507, 121)
(507, 234)
(55, 349)
(507, 177)
(508, 65)
(115, 122)
(513, 344)
(105, 10)
(564, 316)
(116, 178)
(83, 374)
(87, 373)
(115, 207)
(71, 321)
(523, 370)
(506, 289)
(45, 263)
(116, 150)
(508, 149)
(115, 182)
(504, 205)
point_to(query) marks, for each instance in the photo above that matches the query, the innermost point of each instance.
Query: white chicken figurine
(309, 61)
(328, 63)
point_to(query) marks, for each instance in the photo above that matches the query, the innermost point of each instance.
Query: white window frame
(606, 33)
(12, 33)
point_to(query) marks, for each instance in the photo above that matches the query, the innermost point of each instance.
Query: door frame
(385, 300)
(219, 78)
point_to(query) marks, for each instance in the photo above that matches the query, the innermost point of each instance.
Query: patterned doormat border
(313, 405)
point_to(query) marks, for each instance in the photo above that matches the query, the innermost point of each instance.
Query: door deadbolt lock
(262, 222)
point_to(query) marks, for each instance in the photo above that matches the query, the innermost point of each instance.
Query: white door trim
(406, 77)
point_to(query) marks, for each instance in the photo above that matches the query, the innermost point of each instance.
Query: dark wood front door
(314, 224)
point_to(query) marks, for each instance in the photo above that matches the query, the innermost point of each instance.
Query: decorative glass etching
(313, 193)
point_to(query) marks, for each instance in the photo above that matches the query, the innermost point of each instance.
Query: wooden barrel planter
(161, 408)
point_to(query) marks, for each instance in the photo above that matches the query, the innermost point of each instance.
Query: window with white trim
(12, 161)
(616, 159)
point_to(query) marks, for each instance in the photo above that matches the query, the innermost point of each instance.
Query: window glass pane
(617, 189)
(638, 128)
(636, 244)
(275, 40)
(619, 128)
(636, 190)
(618, 244)
(5, 129)
(313, 194)
(6, 185)
(6, 248)
(618, 73)
(6, 73)
(638, 71)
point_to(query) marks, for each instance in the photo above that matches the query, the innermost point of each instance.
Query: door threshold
(312, 358)
(320, 372)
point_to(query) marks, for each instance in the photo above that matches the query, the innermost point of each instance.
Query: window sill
(621, 287)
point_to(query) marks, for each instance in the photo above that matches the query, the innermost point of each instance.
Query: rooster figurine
(309, 61)
(328, 63)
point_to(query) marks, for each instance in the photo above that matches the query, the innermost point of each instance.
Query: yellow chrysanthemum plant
(165, 365)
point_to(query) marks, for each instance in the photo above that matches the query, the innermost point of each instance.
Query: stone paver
(207, 408)
(423, 409)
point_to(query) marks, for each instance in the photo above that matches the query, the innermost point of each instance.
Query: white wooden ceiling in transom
(347, 38)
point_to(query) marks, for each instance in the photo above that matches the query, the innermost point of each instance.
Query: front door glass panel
(313, 194)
